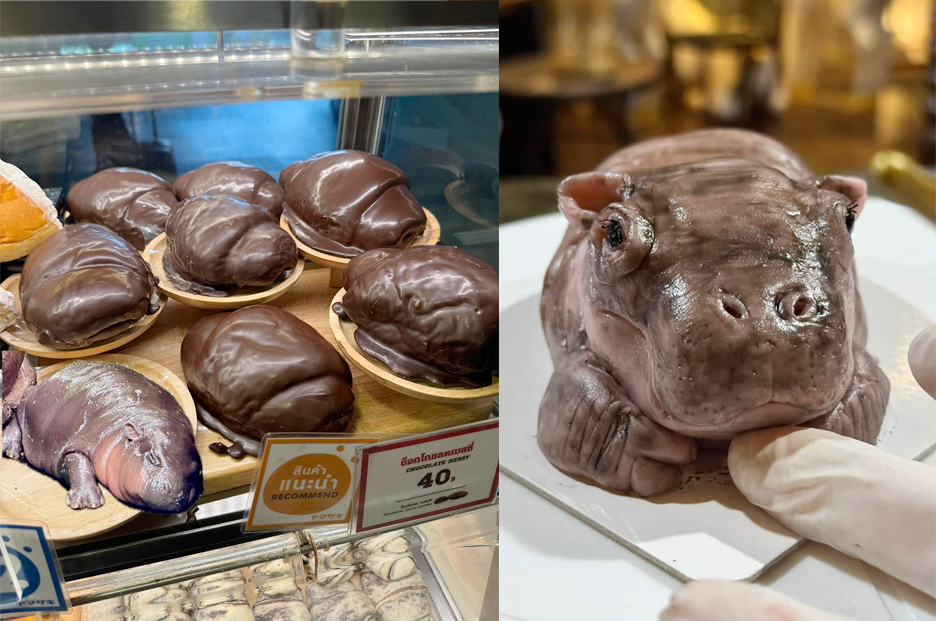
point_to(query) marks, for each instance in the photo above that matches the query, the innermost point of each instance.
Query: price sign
(413, 478)
(303, 481)
(30, 578)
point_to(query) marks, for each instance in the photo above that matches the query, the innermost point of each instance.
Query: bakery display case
(431, 572)
(301, 138)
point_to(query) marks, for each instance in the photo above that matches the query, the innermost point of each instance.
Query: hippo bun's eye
(153, 459)
(850, 217)
(616, 235)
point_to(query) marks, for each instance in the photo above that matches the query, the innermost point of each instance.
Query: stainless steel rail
(105, 586)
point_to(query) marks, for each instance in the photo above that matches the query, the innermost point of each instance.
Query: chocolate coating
(81, 281)
(220, 240)
(427, 312)
(96, 422)
(132, 203)
(260, 370)
(347, 202)
(233, 179)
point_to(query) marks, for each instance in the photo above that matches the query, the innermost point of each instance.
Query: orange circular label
(307, 484)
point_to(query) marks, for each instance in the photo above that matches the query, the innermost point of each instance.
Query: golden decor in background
(915, 185)
(836, 80)
(910, 23)
(599, 37)
(836, 53)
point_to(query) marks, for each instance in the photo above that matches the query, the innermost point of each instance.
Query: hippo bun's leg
(590, 429)
(83, 491)
(13, 440)
(861, 411)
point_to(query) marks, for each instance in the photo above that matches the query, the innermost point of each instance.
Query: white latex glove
(852, 496)
(922, 359)
(717, 600)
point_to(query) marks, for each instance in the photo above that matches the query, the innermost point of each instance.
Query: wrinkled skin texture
(132, 203)
(427, 312)
(215, 241)
(233, 179)
(697, 300)
(261, 370)
(95, 422)
(346, 202)
(81, 281)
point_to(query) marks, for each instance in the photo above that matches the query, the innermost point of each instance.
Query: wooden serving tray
(378, 409)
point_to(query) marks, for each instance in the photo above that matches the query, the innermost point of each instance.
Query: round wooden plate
(19, 336)
(430, 237)
(344, 334)
(32, 495)
(154, 256)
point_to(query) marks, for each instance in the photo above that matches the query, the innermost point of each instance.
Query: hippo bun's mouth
(731, 422)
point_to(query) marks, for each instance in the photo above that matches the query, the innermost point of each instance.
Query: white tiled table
(554, 567)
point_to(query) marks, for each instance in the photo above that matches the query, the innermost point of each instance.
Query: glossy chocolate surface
(259, 370)
(133, 203)
(346, 202)
(233, 179)
(216, 241)
(127, 433)
(81, 281)
(427, 312)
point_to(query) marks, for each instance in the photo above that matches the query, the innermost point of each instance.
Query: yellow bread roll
(27, 216)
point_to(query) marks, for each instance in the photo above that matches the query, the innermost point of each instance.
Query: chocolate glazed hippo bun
(233, 179)
(133, 203)
(221, 241)
(346, 202)
(261, 370)
(427, 312)
(82, 281)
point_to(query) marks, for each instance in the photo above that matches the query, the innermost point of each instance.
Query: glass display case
(168, 87)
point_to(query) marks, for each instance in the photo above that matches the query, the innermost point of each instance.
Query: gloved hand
(852, 496)
(922, 359)
(722, 600)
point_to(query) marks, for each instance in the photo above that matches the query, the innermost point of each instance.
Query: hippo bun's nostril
(795, 306)
(732, 306)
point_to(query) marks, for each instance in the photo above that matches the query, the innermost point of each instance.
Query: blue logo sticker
(29, 577)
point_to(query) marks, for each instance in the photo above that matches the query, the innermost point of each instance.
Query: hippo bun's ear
(852, 188)
(622, 237)
(582, 196)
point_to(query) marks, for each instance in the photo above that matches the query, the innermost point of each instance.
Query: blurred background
(849, 85)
